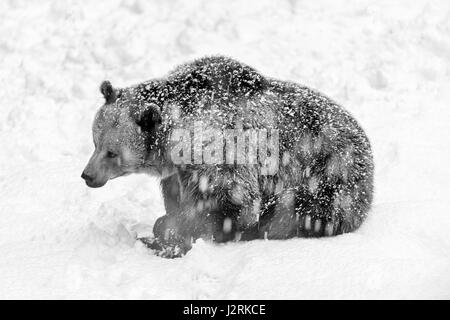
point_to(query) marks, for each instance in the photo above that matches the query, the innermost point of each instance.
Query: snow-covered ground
(388, 62)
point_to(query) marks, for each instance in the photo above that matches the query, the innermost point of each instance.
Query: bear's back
(225, 93)
(225, 78)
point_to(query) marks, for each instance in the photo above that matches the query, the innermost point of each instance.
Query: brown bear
(240, 156)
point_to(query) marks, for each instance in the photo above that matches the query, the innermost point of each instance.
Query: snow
(387, 62)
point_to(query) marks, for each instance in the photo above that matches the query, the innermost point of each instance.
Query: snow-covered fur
(324, 182)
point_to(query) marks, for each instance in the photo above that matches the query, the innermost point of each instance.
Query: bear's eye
(111, 154)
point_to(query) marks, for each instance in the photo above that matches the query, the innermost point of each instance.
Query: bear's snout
(91, 181)
(86, 177)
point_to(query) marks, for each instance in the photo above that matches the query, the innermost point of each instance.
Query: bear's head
(125, 133)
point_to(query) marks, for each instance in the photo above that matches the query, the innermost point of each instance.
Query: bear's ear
(108, 91)
(149, 118)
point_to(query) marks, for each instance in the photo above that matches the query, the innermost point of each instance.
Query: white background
(387, 62)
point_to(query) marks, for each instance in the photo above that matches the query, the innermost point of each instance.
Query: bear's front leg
(167, 241)
(173, 232)
(174, 235)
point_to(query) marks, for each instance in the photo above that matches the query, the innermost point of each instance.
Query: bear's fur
(324, 181)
